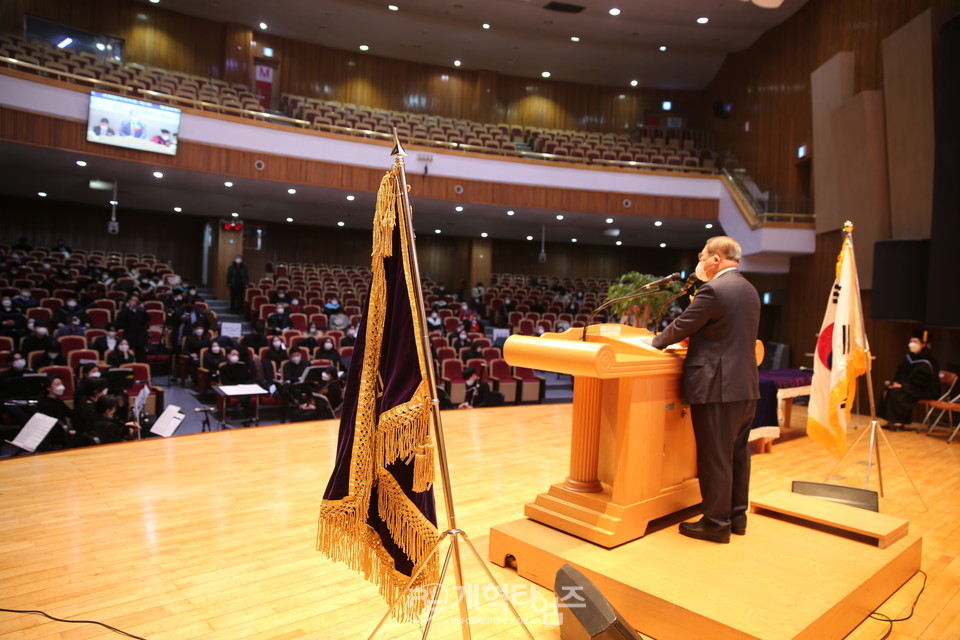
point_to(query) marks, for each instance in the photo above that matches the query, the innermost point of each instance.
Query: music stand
(29, 386)
(119, 380)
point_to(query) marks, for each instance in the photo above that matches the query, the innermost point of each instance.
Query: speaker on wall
(584, 613)
(900, 280)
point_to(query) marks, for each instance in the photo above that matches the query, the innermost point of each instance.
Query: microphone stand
(608, 303)
(683, 291)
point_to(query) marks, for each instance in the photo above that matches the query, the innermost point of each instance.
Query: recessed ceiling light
(663, 47)
(289, 219)
(703, 20)
(486, 26)
(350, 198)
(42, 194)
(709, 225)
(483, 235)
(263, 26)
(658, 223)
(292, 191)
(177, 209)
(573, 239)
(511, 212)
(157, 174)
(529, 237)
(559, 216)
(393, 7)
(663, 245)
(609, 220)
(81, 163)
(114, 202)
(574, 38)
(614, 11)
(364, 47)
(619, 242)
(456, 63)
(458, 208)
(64, 43)
(437, 231)
(545, 74)
(154, 1)
(235, 214)
(634, 83)
(228, 184)
(340, 223)
(667, 105)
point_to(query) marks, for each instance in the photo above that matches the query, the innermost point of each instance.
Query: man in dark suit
(237, 280)
(720, 385)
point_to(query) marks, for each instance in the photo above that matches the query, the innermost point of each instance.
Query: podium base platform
(780, 581)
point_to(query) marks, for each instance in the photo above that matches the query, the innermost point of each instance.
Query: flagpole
(452, 531)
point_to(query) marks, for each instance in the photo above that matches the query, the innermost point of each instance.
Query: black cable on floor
(41, 613)
(881, 617)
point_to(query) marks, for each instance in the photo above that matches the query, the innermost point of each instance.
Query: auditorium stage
(212, 535)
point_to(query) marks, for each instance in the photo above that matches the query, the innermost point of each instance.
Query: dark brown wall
(177, 240)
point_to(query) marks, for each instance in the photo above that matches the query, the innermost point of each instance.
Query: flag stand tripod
(453, 532)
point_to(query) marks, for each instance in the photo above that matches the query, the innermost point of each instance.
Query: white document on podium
(166, 425)
(33, 432)
(243, 390)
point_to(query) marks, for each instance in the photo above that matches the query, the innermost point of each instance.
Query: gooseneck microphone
(673, 277)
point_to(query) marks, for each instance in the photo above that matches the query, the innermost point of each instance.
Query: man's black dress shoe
(700, 532)
(738, 527)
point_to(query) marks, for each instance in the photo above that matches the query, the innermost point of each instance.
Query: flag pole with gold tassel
(452, 532)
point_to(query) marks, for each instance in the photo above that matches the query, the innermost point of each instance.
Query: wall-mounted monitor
(133, 124)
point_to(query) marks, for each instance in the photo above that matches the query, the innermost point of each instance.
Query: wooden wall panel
(909, 106)
(831, 86)
(768, 84)
(176, 240)
(238, 54)
(152, 35)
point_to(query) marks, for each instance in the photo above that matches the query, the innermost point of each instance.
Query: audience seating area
(665, 148)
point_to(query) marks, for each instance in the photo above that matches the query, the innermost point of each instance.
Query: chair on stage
(948, 382)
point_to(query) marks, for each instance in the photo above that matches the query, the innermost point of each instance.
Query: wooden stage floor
(212, 535)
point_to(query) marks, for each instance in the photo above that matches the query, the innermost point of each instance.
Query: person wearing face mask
(917, 377)
(323, 400)
(50, 358)
(105, 425)
(478, 391)
(462, 341)
(313, 338)
(295, 306)
(350, 338)
(332, 307)
(39, 340)
(13, 322)
(212, 359)
(92, 390)
(25, 300)
(328, 351)
(280, 295)
(280, 319)
(17, 368)
(434, 322)
(720, 383)
(70, 310)
(133, 320)
(507, 306)
(294, 367)
(106, 342)
(237, 280)
(197, 340)
(257, 338)
(123, 354)
(234, 370)
(72, 328)
(63, 434)
(277, 352)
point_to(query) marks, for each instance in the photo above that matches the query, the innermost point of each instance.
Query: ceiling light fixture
(157, 174)
(486, 26)
(235, 214)
(667, 105)
(574, 38)
(351, 198)
(573, 239)
(154, 1)
(289, 219)
(81, 163)
(393, 7)
(364, 47)
(177, 209)
(458, 208)
(618, 242)
(663, 47)
(545, 74)
(437, 231)
(228, 184)
(64, 43)
(511, 212)
(559, 216)
(634, 83)
(292, 192)
(663, 245)
(484, 234)
(263, 26)
(614, 11)
(658, 223)
(703, 20)
(609, 220)
(709, 225)
(341, 223)
(456, 63)
(529, 237)
(42, 194)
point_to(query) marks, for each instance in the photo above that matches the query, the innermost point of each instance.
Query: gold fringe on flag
(398, 433)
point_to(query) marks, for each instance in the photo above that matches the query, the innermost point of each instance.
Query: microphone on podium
(673, 277)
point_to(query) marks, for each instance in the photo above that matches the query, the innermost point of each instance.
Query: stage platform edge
(780, 581)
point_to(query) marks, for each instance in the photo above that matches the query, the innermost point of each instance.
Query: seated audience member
(326, 351)
(277, 352)
(39, 340)
(25, 300)
(91, 294)
(51, 357)
(105, 424)
(475, 351)
(349, 339)
(226, 343)
(461, 341)
(434, 322)
(280, 319)
(280, 296)
(107, 342)
(122, 355)
(86, 373)
(507, 307)
(312, 339)
(917, 377)
(191, 296)
(63, 435)
(295, 306)
(13, 322)
(15, 414)
(212, 359)
(17, 368)
(72, 328)
(478, 391)
(294, 367)
(323, 401)
(196, 341)
(61, 246)
(256, 339)
(234, 370)
(71, 309)
(339, 321)
(85, 408)
(476, 294)
(332, 307)
(331, 386)
(453, 335)
(441, 292)
(463, 311)
(472, 323)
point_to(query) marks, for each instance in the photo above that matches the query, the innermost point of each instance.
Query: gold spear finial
(397, 147)
(847, 226)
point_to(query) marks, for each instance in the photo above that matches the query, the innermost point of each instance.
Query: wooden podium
(632, 455)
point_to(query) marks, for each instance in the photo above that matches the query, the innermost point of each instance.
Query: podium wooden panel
(632, 454)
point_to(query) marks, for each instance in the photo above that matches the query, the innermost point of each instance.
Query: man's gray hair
(724, 246)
